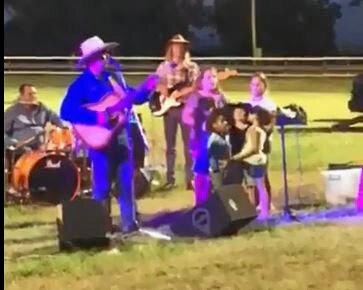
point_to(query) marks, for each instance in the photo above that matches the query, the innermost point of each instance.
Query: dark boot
(107, 206)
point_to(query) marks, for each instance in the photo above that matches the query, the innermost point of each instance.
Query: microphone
(116, 72)
(114, 63)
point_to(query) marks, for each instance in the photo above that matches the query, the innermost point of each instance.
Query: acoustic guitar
(96, 136)
(117, 105)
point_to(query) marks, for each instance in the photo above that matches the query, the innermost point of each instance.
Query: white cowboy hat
(178, 38)
(94, 45)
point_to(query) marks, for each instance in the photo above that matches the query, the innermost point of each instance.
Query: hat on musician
(178, 38)
(94, 45)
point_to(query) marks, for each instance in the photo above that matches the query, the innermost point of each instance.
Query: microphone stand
(282, 121)
(287, 214)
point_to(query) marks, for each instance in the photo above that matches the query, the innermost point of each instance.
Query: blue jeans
(115, 164)
(171, 121)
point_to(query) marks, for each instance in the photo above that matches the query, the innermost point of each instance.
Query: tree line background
(284, 27)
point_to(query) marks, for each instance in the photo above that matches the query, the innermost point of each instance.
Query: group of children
(230, 143)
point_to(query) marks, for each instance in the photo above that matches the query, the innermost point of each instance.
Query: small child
(238, 119)
(219, 150)
(256, 160)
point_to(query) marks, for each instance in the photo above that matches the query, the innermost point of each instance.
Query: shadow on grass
(35, 253)
(23, 225)
(161, 218)
(29, 240)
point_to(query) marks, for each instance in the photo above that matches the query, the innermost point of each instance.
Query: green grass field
(296, 257)
(309, 257)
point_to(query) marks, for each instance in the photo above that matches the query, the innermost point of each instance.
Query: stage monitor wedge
(82, 223)
(224, 213)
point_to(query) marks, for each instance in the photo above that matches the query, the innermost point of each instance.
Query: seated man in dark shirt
(25, 121)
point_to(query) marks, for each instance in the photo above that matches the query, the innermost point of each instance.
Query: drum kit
(53, 173)
(59, 170)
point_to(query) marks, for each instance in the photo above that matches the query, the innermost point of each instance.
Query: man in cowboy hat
(114, 163)
(175, 69)
(26, 120)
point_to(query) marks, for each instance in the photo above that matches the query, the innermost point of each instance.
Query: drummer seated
(25, 119)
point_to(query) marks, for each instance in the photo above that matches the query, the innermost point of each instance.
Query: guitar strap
(122, 89)
(187, 75)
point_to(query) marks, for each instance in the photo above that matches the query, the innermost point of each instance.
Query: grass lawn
(298, 257)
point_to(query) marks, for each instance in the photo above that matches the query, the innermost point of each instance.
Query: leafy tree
(284, 27)
(48, 27)
(355, 2)
(233, 24)
(297, 27)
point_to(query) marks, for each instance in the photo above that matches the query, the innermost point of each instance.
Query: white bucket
(341, 184)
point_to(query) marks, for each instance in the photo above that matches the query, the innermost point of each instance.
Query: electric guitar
(160, 104)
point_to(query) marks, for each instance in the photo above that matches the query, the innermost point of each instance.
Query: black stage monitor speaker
(141, 182)
(82, 223)
(355, 104)
(224, 213)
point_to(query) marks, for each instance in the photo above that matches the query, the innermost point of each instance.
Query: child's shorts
(253, 172)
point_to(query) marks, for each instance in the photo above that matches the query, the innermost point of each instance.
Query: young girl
(252, 153)
(258, 93)
(198, 107)
(258, 97)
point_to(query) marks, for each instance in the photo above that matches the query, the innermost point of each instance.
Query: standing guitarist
(112, 162)
(177, 69)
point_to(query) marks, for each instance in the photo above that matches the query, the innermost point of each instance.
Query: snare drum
(59, 139)
(49, 178)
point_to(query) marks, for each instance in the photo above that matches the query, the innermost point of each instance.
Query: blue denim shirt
(87, 88)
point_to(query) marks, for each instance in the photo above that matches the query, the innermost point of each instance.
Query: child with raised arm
(199, 105)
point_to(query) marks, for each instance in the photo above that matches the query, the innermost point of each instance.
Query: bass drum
(47, 178)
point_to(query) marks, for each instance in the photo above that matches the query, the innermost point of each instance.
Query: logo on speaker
(201, 220)
(232, 204)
